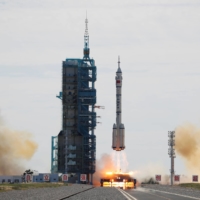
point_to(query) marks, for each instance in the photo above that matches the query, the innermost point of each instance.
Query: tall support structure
(77, 141)
(54, 154)
(171, 152)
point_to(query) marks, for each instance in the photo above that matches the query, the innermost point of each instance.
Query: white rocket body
(118, 128)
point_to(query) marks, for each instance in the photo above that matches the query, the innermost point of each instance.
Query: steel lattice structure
(171, 152)
(75, 151)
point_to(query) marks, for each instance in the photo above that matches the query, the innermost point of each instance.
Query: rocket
(118, 128)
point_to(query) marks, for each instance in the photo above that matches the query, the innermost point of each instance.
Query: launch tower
(74, 149)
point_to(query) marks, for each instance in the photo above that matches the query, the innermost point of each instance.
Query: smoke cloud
(149, 171)
(117, 162)
(103, 165)
(15, 148)
(187, 145)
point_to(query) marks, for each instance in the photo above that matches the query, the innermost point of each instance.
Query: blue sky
(158, 43)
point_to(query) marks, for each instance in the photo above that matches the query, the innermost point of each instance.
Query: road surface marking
(174, 194)
(158, 196)
(127, 195)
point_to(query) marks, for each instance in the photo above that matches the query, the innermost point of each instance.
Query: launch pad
(118, 179)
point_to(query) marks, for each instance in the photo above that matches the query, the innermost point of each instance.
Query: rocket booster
(118, 128)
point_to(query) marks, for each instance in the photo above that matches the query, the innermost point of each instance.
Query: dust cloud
(149, 171)
(187, 145)
(15, 148)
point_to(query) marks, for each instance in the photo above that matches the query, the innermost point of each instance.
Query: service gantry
(74, 149)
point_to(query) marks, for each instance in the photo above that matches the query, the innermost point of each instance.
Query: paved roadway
(146, 194)
(87, 192)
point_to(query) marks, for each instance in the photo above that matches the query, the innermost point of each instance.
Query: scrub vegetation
(23, 186)
(191, 185)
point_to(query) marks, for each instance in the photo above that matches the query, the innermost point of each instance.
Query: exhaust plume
(117, 162)
(104, 164)
(187, 145)
(15, 147)
(120, 161)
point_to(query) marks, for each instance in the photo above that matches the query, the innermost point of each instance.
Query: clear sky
(158, 42)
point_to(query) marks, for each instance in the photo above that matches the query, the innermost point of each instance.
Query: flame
(118, 184)
(109, 173)
(104, 164)
(109, 165)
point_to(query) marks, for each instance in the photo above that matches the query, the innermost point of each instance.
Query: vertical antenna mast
(86, 50)
(118, 61)
(86, 26)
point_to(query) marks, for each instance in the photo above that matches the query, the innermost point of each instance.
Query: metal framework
(54, 154)
(76, 149)
(171, 152)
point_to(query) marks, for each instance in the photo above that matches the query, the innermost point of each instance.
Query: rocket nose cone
(119, 70)
(121, 126)
(114, 126)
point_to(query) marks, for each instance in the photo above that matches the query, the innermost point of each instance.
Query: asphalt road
(87, 192)
(145, 194)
